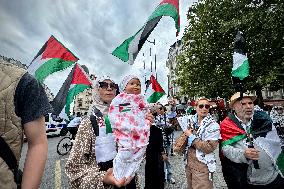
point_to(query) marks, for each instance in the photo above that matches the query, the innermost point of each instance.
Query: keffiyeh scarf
(207, 130)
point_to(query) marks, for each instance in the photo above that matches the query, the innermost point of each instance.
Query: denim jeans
(168, 170)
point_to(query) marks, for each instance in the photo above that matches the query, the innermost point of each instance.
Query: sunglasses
(278, 108)
(207, 106)
(105, 85)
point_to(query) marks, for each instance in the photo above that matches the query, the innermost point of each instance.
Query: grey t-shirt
(30, 99)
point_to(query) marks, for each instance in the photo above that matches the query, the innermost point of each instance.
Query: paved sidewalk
(179, 172)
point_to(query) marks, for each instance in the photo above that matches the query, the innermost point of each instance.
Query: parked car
(54, 124)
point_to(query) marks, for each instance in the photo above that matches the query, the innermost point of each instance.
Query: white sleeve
(234, 154)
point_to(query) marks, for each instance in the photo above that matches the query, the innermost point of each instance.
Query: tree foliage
(204, 66)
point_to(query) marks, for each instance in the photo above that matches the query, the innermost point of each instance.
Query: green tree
(204, 66)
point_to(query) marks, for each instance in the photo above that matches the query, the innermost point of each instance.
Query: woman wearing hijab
(90, 162)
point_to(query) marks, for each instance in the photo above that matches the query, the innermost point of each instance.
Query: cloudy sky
(91, 29)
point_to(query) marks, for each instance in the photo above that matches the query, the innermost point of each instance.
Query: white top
(75, 122)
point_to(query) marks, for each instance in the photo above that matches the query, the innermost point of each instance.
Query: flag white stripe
(149, 91)
(38, 62)
(238, 60)
(133, 47)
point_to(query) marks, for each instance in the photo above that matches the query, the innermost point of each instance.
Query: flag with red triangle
(154, 92)
(52, 57)
(76, 82)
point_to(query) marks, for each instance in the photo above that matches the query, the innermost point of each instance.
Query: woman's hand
(110, 179)
(188, 132)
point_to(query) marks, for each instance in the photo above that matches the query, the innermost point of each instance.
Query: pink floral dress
(127, 116)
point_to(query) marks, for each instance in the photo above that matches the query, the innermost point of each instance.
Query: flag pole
(238, 82)
(155, 59)
(144, 66)
(151, 60)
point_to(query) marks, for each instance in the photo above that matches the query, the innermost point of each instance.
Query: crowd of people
(108, 145)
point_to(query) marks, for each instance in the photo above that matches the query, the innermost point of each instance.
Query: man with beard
(250, 147)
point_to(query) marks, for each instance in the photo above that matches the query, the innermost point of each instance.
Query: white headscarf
(97, 100)
(125, 81)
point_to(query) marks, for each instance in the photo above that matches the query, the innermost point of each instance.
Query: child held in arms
(127, 114)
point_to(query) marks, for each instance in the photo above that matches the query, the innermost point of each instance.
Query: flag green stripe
(126, 110)
(108, 125)
(155, 97)
(51, 66)
(71, 95)
(242, 71)
(122, 50)
(233, 140)
(166, 10)
(280, 162)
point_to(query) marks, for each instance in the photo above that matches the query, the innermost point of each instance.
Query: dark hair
(117, 89)
(163, 108)
(155, 114)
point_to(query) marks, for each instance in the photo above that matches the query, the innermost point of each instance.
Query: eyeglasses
(279, 108)
(207, 106)
(105, 85)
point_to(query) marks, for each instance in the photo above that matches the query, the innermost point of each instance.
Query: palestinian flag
(130, 48)
(124, 107)
(231, 131)
(154, 92)
(52, 57)
(76, 82)
(264, 135)
(240, 68)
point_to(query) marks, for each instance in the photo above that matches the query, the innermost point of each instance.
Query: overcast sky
(91, 29)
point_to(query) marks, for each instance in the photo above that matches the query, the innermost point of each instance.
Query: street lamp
(155, 57)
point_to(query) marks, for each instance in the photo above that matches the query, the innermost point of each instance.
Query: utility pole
(144, 67)
(155, 58)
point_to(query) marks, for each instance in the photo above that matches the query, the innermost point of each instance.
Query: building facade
(171, 64)
(83, 101)
(48, 92)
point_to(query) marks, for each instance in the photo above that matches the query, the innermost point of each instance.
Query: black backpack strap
(8, 156)
(97, 112)
(95, 126)
(93, 119)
